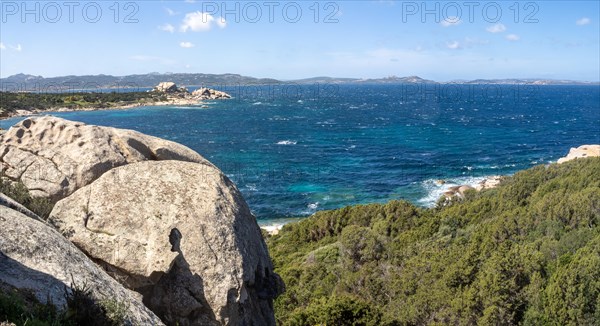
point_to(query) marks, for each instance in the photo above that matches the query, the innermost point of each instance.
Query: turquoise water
(292, 152)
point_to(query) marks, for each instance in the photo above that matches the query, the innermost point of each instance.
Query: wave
(435, 189)
(286, 142)
(190, 107)
(311, 209)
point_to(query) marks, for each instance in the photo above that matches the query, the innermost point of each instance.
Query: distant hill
(23, 82)
(513, 81)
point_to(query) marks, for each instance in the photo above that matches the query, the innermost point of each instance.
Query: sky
(439, 40)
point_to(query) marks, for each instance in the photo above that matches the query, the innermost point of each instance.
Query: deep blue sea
(293, 150)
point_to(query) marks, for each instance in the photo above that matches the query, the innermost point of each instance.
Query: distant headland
(165, 93)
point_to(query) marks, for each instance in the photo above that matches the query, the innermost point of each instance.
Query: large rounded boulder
(179, 233)
(54, 157)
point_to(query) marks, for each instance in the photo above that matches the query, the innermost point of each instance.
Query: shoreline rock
(175, 93)
(581, 152)
(489, 182)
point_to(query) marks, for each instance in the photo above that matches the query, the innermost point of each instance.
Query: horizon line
(314, 77)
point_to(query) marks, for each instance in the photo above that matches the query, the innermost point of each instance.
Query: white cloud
(583, 21)
(17, 47)
(167, 28)
(200, 22)
(451, 21)
(496, 28)
(186, 45)
(454, 45)
(190, 1)
(513, 37)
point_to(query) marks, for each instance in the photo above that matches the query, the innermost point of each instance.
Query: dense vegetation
(11, 101)
(525, 253)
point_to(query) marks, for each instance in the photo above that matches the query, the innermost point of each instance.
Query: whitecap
(434, 190)
(287, 142)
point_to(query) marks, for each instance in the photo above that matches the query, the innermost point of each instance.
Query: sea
(296, 149)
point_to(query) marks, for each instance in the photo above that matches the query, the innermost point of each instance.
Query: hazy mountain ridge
(25, 82)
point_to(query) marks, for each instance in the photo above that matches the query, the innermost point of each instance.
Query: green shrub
(524, 253)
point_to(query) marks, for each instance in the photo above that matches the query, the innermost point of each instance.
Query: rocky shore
(490, 182)
(144, 223)
(581, 152)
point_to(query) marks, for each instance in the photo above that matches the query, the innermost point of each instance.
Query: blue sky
(366, 39)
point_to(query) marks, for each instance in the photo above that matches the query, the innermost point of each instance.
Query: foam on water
(435, 190)
(286, 142)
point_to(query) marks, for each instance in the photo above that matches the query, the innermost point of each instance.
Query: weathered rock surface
(458, 191)
(182, 94)
(35, 257)
(182, 235)
(581, 152)
(490, 182)
(168, 87)
(54, 157)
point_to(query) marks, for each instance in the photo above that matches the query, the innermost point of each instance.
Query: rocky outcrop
(209, 94)
(169, 87)
(581, 152)
(457, 191)
(37, 259)
(183, 96)
(54, 157)
(181, 234)
(490, 182)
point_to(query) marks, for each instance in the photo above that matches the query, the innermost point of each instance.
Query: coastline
(438, 189)
(172, 102)
(164, 94)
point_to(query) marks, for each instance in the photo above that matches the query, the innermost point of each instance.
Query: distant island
(28, 83)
